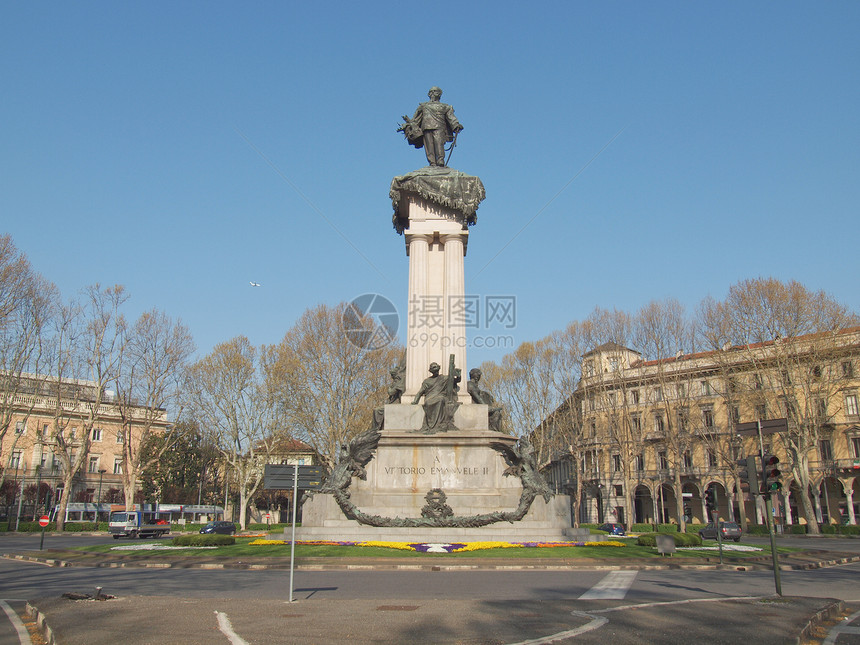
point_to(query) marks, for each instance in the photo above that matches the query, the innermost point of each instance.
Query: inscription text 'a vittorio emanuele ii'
(435, 470)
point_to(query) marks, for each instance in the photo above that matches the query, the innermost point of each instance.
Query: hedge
(803, 529)
(206, 539)
(681, 539)
(70, 527)
(649, 528)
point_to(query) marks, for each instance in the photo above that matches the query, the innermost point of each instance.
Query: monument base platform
(335, 527)
(410, 470)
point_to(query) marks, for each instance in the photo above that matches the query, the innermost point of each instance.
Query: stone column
(848, 487)
(455, 301)
(436, 243)
(786, 500)
(417, 349)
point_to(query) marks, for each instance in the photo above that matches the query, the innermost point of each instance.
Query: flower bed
(455, 547)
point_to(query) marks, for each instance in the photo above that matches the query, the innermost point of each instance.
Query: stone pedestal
(461, 463)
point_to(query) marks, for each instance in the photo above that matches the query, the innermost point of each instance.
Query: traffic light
(711, 499)
(770, 474)
(748, 474)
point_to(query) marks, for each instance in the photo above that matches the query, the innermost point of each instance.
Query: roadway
(424, 606)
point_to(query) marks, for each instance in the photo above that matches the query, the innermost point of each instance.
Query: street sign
(43, 521)
(768, 426)
(286, 476)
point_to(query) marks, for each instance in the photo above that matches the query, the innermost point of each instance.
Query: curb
(40, 620)
(808, 633)
(437, 566)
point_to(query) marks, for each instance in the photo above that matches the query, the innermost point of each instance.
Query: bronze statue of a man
(437, 390)
(433, 125)
(482, 396)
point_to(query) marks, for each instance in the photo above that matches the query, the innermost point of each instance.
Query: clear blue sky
(185, 149)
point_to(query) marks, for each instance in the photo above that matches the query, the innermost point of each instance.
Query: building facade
(647, 438)
(30, 448)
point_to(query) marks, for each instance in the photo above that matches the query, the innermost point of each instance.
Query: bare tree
(85, 358)
(790, 336)
(526, 382)
(662, 331)
(328, 383)
(27, 303)
(565, 436)
(612, 423)
(148, 389)
(231, 398)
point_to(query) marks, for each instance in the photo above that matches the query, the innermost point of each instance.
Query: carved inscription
(436, 470)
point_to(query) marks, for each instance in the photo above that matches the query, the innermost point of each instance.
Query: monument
(434, 466)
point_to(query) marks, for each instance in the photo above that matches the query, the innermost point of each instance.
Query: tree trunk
(128, 493)
(243, 508)
(801, 473)
(741, 505)
(679, 502)
(628, 502)
(808, 510)
(64, 503)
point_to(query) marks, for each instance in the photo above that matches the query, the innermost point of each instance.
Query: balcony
(847, 465)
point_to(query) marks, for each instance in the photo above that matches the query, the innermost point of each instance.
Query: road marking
(596, 621)
(23, 634)
(612, 587)
(646, 605)
(599, 621)
(227, 629)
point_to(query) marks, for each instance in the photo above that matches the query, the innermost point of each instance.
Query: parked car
(729, 531)
(226, 528)
(612, 529)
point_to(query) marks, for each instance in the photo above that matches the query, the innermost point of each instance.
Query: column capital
(416, 236)
(462, 236)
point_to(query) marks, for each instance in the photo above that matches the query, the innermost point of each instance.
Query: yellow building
(30, 448)
(647, 438)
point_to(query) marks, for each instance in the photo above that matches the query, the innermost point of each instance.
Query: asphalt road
(190, 605)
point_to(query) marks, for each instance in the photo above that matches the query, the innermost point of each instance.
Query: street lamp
(102, 471)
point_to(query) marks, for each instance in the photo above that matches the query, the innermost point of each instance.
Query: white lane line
(599, 621)
(227, 629)
(594, 623)
(612, 587)
(647, 605)
(23, 634)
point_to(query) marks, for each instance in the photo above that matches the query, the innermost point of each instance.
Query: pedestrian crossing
(613, 587)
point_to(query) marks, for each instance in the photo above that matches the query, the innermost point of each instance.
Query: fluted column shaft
(417, 349)
(455, 300)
